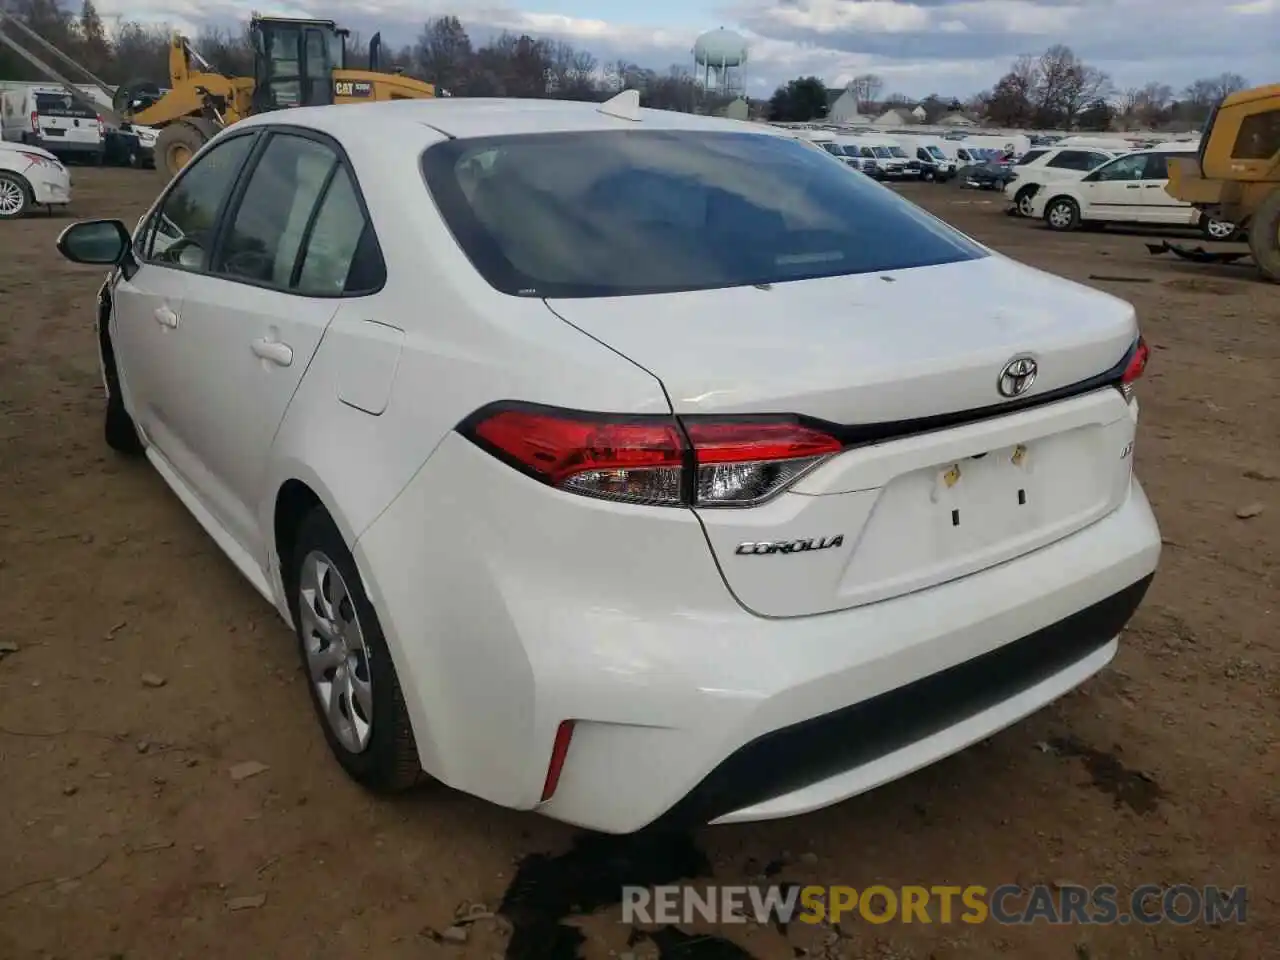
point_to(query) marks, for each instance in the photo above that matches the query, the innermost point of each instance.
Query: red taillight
(696, 461)
(35, 122)
(633, 459)
(741, 463)
(559, 750)
(1135, 368)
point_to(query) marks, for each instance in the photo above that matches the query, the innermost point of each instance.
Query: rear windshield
(615, 213)
(59, 105)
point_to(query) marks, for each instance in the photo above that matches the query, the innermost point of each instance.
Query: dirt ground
(140, 671)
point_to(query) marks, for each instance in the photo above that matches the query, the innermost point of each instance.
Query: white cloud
(917, 46)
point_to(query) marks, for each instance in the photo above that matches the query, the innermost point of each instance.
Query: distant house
(920, 114)
(894, 118)
(844, 109)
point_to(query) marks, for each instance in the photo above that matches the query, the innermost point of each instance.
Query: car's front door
(251, 324)
(1114, 190)
(171, 245)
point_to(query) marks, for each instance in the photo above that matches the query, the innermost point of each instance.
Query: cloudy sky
(953, 47)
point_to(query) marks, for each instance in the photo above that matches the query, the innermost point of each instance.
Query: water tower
(720, 60)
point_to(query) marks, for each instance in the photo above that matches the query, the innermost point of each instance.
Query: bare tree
(866, 88)
(1226, 84)
(443, 53)
(1066, 85)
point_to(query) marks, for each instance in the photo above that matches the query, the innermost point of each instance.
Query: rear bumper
(848, 751)
(510, 608)
(61, 147)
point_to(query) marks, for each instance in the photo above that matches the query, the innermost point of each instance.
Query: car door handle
(1132, 186)
(281, 354)
(1153, 186)
(166, 317)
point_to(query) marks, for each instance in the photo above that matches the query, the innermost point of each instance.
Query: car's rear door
(251, 323)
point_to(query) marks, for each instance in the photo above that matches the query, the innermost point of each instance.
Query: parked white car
(1127, 189)
(30, 177)
(613, 462)
(1042, 165)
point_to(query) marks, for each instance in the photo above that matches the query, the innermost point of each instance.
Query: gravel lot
(140, 676)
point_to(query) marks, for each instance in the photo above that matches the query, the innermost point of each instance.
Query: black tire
(15, 195)
(179, 142)
(1062, 213)
(1264, 237)
(117, 428)
(389, 762)
(1023, 199)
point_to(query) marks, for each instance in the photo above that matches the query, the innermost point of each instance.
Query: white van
(50, 118)
(882, 157)
(935, 162)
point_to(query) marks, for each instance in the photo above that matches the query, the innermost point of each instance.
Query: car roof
(470, 117)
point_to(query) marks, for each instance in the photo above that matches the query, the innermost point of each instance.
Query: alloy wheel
(337, 657)
(12, 199)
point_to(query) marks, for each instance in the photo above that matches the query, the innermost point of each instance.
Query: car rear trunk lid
(949, 477)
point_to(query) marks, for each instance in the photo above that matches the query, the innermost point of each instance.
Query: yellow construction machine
(1236, 176)
(296, 63)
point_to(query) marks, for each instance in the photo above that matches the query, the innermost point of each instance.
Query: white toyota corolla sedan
(626, 465)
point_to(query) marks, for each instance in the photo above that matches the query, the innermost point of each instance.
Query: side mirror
(101, 242)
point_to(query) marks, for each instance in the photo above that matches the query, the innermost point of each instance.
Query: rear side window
(342, 253)
(1031, 155)
(1259, 137)
(614, 213)
(1073, 160)
(300, 225)
(263, 241)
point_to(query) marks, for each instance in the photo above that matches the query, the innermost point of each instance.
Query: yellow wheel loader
(297, 63)
(1236, 176)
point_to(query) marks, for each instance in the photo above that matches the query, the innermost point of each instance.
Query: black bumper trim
(823, 747)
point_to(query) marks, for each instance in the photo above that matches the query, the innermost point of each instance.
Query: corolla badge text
(764, 547)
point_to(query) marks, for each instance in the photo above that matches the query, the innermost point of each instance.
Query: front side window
(1132, 167)
(619, 212)
(180, 232)
(268, 228)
